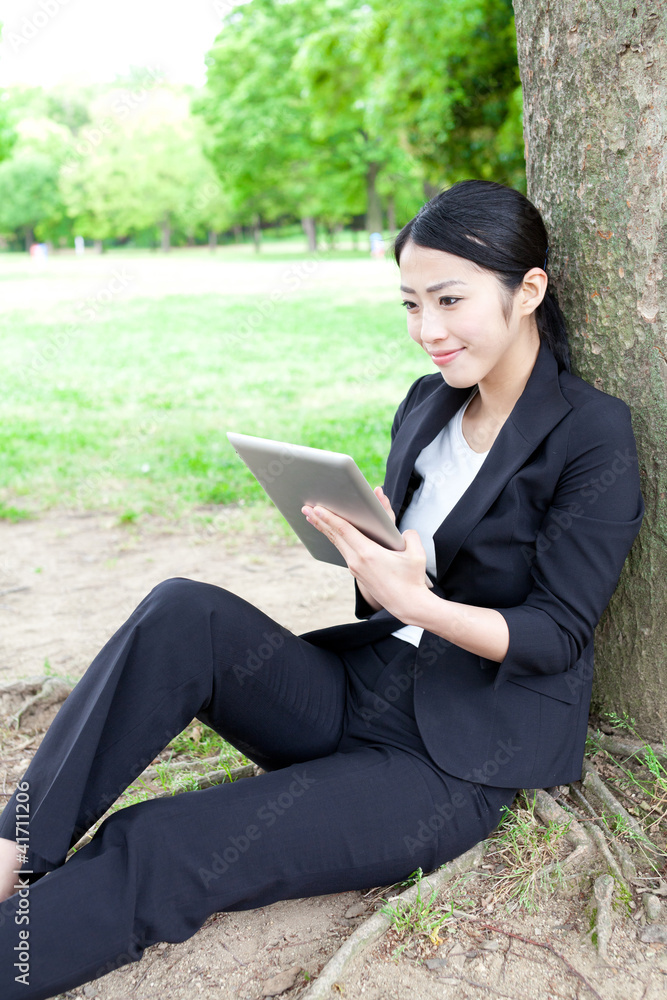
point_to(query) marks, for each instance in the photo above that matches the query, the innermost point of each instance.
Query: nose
(433, 329)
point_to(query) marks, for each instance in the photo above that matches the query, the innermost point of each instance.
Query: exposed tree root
(624, 867)
(603, 891)
(377, 925)
(593, 783)
(548, 810)
(37, 692)
(625, 748)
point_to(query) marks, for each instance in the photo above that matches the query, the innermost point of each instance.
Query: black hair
(500, 230)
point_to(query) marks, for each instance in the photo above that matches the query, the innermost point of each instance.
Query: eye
(409, 305)
(447, 300)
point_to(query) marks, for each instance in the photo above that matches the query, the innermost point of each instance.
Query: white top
(447, 467)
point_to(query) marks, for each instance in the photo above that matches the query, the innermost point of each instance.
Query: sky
(48, 42)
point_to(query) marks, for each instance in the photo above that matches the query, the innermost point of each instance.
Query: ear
(532, 291)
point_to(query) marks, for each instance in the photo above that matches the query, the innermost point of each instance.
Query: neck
(500, 389)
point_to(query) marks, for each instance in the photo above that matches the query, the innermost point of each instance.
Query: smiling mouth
(444, 355)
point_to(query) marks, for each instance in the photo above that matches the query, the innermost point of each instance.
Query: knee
(180, 596)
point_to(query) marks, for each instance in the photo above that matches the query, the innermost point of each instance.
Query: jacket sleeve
(584, 539)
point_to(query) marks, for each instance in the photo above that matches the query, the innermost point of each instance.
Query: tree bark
(373, 205)
(257, 233)
(595, 124)
(212, 240)
(310, 229)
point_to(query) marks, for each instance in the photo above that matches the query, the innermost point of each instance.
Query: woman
(390, 743)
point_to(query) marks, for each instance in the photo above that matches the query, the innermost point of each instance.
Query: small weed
(422, 918)
(128, 517)
(528, 852)
(174, 782)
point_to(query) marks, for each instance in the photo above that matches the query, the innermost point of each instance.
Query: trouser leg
(156, 870)
(189, 649)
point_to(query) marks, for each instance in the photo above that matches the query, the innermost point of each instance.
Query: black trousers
(350, 799)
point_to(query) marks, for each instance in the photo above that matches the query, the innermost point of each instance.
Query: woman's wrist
(482, 631)
(368, 597)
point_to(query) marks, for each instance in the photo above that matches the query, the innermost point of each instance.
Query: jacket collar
(538, 409)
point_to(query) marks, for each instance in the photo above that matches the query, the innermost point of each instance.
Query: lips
(443, 357)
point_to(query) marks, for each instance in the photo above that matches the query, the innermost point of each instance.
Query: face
(455, 312)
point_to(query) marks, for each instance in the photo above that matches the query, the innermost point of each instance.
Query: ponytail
(553, 329)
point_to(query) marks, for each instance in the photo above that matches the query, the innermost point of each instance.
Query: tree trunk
(29, 238)
(238, 234)
(391, 215)
(99, 246)
(595, 124)
(257, 233)
(373, 203)
(310, 229)
(212, 240)
(165, 229)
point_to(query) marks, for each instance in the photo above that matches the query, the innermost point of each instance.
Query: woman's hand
(384, 500)
(394, 580)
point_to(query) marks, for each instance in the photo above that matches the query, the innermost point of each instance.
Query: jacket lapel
(418, 429)
(539, 408)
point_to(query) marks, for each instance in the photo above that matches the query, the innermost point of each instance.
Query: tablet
(294, 475)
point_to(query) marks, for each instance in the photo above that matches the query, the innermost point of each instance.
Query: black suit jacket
(541, 535)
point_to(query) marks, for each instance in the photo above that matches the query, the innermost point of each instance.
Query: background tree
(596, 127)
(259, 139)
(7, 134)
(30, 204)
(387, 96)
(141, 170)
(448, 86)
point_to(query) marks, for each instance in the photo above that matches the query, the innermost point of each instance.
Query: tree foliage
(390, 96)
(323, 110)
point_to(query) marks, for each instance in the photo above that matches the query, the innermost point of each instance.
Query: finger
(384, 500)
(413, 542)
(339, 531)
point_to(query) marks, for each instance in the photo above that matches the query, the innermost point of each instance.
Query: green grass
(128, 411)
(527, 852)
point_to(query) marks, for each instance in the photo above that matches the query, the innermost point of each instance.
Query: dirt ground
(67, 581)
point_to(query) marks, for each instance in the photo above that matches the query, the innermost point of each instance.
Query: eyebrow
(435, 288)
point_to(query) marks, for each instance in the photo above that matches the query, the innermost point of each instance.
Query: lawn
(124, 406)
